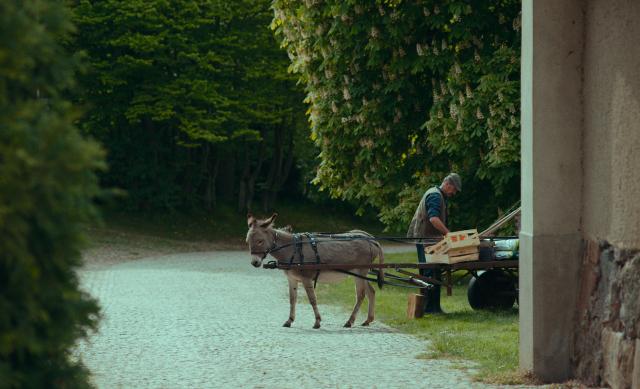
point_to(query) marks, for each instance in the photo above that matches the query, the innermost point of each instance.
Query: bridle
(274, 247)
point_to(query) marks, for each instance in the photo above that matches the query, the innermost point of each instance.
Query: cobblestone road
(210, 320)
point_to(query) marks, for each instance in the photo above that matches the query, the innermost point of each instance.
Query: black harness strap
(297, 249)
(314, 246)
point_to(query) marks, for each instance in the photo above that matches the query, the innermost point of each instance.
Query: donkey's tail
(380, 277)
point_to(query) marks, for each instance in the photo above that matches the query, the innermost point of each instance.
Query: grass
(490, 339)
(225, 224)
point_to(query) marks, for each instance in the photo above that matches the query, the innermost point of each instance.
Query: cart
(494, 270)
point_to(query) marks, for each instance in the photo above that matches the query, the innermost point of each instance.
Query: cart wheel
(493, 289)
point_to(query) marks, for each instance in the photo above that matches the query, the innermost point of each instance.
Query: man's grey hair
(455, 180)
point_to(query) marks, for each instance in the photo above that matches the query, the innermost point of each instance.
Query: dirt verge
(108, 247)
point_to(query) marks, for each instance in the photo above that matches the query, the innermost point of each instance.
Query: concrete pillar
(550, 238)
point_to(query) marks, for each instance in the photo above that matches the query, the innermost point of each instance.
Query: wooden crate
(457, 246)
(451, 259)
(464, 238)
(415, 306)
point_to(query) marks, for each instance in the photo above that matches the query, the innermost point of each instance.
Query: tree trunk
(251, 182)
(280, 167)
(242, 192)
(210, 196)
(226, 179)
(274, 167)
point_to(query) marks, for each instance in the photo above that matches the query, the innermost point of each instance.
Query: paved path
(210, 320)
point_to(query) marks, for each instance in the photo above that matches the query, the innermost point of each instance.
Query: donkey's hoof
(287, 324)
(366, 323)
(347, 324)
(316, 326)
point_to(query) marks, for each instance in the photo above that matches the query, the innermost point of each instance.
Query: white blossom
(346, 94)
(453, 110)
(516, 23)
(479, 114)
(366, 143)
(328, 73)
(443, 88)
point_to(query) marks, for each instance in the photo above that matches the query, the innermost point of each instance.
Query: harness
(313, 239)
(298, 242)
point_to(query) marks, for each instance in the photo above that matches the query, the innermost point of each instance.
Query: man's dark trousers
(432, 295)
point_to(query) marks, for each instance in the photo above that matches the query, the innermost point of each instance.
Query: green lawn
(228, 225)
(490, 339)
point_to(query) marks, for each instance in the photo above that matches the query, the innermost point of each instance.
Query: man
(430, 221)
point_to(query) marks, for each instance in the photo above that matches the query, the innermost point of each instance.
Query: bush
(47, 187)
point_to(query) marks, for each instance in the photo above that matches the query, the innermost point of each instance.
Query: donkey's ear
(250, 219)
(269, 221)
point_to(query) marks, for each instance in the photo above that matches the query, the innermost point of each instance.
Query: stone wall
(607, 339)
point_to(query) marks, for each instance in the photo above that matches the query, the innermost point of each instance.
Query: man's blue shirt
(432, 203)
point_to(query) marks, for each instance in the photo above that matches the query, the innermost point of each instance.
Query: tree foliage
(47, 184)
(191, 99)
(402, 92)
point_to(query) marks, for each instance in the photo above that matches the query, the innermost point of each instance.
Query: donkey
(354, 247)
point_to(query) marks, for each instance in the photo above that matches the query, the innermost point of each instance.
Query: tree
(47, 187)
(190, 98)
(402, 92)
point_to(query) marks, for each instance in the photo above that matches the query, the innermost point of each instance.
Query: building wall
(611, 90)
(606, 344)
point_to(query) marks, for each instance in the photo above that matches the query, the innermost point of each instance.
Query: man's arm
(439, 225)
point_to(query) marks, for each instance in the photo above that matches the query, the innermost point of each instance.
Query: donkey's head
(261, 238)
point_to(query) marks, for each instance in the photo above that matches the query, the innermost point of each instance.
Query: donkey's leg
(311, 294)
(371, 297)
(293, 298)
(360, 292)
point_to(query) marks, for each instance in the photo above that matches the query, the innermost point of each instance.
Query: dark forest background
(359, 105)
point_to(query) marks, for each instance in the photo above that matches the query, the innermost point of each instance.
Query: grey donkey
(353, 247)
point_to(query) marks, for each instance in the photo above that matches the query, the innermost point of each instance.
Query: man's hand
(438, 224)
